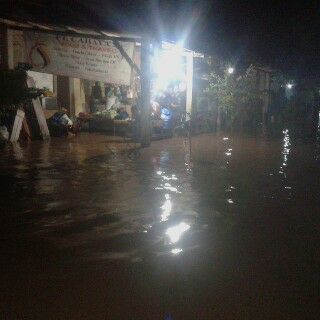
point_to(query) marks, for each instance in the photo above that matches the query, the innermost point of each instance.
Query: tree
(235, 97)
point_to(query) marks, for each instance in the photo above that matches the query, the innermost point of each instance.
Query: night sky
(281, 34)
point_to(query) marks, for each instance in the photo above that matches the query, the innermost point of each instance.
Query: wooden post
(44, 130)
(26, 129)
(125, 55)
(145, 115)
(4, 47)
(17, 125)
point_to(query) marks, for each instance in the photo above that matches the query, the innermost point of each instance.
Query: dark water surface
(228, 232)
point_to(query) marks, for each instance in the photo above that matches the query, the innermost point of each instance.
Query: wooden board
(17, 125)
(44, 130)
(26, 129)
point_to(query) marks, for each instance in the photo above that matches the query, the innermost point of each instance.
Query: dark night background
(281, 34)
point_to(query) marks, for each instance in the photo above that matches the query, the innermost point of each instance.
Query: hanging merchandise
(166, 116)
(4, 134)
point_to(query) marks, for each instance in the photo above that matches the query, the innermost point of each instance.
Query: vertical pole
(262, 88)
(219, 119)
(55, 85)
(73, 98)
(4, 63)
(145, 116)
(10, 49)
(189, 84)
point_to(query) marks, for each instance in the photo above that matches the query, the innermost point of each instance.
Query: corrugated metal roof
(28, 25)
(79, 31)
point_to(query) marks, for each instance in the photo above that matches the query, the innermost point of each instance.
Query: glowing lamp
(230, 70)
(289, 86)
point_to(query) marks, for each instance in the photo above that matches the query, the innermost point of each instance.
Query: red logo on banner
(38, 56)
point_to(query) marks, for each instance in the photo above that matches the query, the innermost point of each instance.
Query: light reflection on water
(176, 251)
(149, 205)
(166, 207)
(174, 233)
(286, 148)
(62, 205)
(228, 152)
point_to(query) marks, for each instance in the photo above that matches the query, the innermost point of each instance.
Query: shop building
(102, 76)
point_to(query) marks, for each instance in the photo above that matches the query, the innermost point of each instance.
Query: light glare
(174, 233)
(289, 86)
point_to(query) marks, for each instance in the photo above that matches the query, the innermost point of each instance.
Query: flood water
(229, 230)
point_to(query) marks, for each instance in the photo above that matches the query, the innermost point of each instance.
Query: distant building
(263, 84)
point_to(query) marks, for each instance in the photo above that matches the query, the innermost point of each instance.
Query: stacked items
(114, 104)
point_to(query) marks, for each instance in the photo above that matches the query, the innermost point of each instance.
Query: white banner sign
(85, 58)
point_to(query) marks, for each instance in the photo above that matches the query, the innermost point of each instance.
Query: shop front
(106, 82)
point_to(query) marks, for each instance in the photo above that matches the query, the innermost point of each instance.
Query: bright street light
(230, 70)
(289, 86)
(168, 66)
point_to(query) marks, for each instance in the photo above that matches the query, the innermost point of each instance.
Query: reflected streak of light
(166, 207)
(169, 178)
(286, 148)
(229, 189)
(230, 201)
(228, 153)
(159, 173)
(225, 138)
(176, 251)
(174, 233)
(168, 186)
